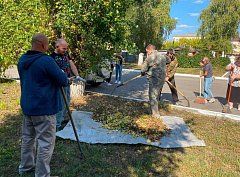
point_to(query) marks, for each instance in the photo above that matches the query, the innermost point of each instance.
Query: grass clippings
(118, 114)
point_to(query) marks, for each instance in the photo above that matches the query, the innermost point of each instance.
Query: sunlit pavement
(189, 86)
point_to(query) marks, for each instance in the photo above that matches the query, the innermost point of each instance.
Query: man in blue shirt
(40, 79)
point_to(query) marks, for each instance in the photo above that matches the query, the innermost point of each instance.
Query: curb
(188, 109)
(179, 74)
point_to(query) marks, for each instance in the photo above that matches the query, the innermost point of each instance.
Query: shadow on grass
(114, 160)
(7, 80)
(10, 132)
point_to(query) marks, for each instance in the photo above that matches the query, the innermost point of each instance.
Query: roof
(186, 35)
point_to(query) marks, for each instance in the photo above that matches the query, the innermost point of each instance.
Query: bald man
(65, 63)
(40, 79)
(154, 67)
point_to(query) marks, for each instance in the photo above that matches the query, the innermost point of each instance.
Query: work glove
(78, 79)
(143, 73)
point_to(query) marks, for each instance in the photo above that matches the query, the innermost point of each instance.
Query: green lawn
(219, 158)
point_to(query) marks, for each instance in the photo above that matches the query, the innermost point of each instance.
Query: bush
(193, 62)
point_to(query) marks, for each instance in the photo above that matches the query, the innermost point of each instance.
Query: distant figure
(172, 65)
(140, 59)
(40, 79)
(208, 80)
(118, 67)
(64, 61)
(108, 80)
(155, 68)
(234, 83)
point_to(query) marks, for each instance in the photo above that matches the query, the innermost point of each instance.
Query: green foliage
(19, 21)
(149, 22)
(186, 61)
(219, 23)
(220, 62)
(93, 29)
(184, 43)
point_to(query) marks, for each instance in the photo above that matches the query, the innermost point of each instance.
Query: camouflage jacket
(155, 65)
(172, 68)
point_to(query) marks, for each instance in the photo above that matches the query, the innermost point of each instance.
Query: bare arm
(73, 68)
(205, 73)
(229, 67)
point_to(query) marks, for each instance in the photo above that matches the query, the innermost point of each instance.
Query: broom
(227, 109)
(72, 122)
(200, 99)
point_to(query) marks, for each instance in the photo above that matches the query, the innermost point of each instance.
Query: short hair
(238, 58)
(206, 59)
(60, 41)
(171, 51)
(151, 47)
(39, 37)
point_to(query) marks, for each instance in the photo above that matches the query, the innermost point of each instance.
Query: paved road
(138, 88)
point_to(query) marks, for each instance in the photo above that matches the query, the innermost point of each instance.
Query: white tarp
(90, 131)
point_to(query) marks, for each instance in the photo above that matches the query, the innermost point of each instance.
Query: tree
(219, 23)
(94, 29)
(19, 21)
(149, 22)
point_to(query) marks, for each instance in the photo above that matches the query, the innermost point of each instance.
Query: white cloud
(176, 18)
(198, 2)
(194, 14)
(184, 26)
(177, 31)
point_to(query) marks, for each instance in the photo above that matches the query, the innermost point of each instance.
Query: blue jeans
(208, 88)
(118, 72)
(61, 114)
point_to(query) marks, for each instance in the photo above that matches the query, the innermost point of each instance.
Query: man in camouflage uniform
(154, 67)
(172, 65)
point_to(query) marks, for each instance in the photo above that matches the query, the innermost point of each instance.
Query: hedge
(193, 62)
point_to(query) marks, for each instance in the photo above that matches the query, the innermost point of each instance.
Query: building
(185, 36)
(236, 46)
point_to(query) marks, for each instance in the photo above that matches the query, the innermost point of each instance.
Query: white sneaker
(212, 100)
(116, 82)
(119, 82)
(109, 84)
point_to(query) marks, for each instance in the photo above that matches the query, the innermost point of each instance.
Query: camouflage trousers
(155, 87)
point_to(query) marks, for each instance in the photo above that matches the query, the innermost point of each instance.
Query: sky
(187, 12)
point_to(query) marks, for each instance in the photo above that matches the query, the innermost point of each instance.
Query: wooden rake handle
(179, 92)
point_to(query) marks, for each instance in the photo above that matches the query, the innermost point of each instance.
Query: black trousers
(173, 90)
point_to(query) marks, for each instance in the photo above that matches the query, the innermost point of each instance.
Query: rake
(124, 83)
(72, 122)
(179, 93)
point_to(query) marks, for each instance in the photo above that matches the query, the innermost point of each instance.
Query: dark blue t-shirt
(63, 62)
(208, 68)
